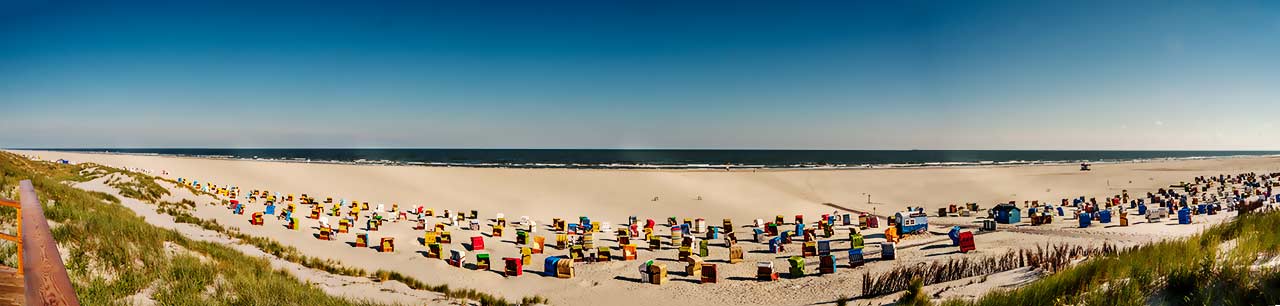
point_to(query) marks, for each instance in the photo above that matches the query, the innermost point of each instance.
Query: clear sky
(642, 74)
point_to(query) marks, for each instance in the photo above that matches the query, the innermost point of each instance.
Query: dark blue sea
(710, 159)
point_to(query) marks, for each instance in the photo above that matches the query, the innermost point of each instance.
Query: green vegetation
(1218, 266)
(113, 255)
(915, 295)
(144, 187)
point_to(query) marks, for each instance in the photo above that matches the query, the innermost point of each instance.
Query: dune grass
(112, 255)
(146, 189)
(1217, 266)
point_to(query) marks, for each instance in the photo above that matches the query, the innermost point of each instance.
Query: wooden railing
(44, 275)
(17, 235)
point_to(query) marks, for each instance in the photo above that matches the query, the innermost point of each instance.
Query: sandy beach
(740, 195)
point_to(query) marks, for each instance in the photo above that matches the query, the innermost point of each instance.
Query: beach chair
(539, 243)
(699, 225)
(271, 209)
(457, 258)
(775, 245)
(445, 237)
(434, 250)
(988, 225)
(497, 231)
(474, 214)
(827, 264)
(779, 219)
(1184, 216)
(855, 240)
(622, 237)
(522, 237)
(372, 225)
(1085, 219)
(764, 271)
(562, 241)
(657, 273)
(388, 245)
(684, 253)
(735, 254)
(603, 254)
(628, 252)
(588, 241)
(855, 258)
(809, 249)
(429, 212)
(577, 253)
(954, 234)
(759, 235)
(771, 229)
(891, 234)
(1124, 219)
(713, 232)
(730, 240)
(824, 247)
(344, 225)
(428, 237)
(558, 225)
(315, 213)
(595, 227)
(966, 242)
(655, 243)
(439, 227)
(473, 225)
(862, 221)
(704, 249)
(564, 269)
(727, 224)
(526, 255)
(293, 223)
(786, 237)
(256, 219)
(796, 266)
(325, 234)
(237, 209)
(513, 266)
(477, 243)
(362, 240)
(709, 273)
(693, 265)
(482, 261)
(888, 251)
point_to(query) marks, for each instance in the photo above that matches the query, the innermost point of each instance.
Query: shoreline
(684, 167)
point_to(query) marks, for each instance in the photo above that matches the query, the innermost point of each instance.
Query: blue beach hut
(1142, 209)
(1008, 213)
(1085, 220)
(1184, 216)
(910, 222)
(550, 265)
(1104, 216)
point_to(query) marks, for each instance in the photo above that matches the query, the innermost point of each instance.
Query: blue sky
(642, 74)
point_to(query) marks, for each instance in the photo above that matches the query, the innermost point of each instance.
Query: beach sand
(743, 195)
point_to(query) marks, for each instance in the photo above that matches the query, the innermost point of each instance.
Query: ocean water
(709, 159)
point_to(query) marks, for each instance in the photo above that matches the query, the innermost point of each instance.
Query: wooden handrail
(46, 278)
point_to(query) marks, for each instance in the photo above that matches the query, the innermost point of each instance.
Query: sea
(678, 158)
